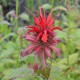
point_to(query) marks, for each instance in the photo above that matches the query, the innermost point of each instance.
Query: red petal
(29, 26)
(55, 28)
(41, 15)
(56, 50)
(30, 31)
(55, 40)
(44, 37)
(47, 51)
(36, 21)
(30, 38)
(39, 36)
(44, 20)
(50, 23)
(34, 29)
(38, 50)
(28, 51)
(49, 16)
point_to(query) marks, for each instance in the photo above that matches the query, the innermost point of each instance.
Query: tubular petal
(49, 16)
(30, 38)
(41, 15)
(56, 50)
(47, 51)
(55, 28)
(28, 51)
(50, 23)
(38, 49)
(39, 35)
(44, 37)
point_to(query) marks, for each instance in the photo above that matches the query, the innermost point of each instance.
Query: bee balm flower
(42, 38)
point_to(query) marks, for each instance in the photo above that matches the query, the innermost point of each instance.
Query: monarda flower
(42, 37)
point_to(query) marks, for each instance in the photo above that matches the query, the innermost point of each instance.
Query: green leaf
(19, 73)
(46, 6)
(1, 67)
(1, 13)
(76, 33)
(10, 13)
(56, 74)
(7, 61)
(11, 48)
(61, 34)
(24, 16)
(60, 8)
(62, 64)
(10, 45)
(72, 59)
(5, 22)
(39, 78)
(29, 59)
(6, 53)
(74, 12)
(6, 36)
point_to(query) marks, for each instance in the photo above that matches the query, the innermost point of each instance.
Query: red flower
(42, 39)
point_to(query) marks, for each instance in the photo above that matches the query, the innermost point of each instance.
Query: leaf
(56, 74)
(72, 59)
(76, 33)
(10, 13)
(1, 13)
(61, 34)
(6, 53)
(19, 73)
(5, 22)
(39, 78)
(74, 12)
(29, 59)
(10, 45)
(6, 36)
(76, 38)
(7, 61)
(77, 43)
(24, 16)
(5, 3)
(64, 49)
(46, 6)
(1, 67)
(21, 79)
(60, 8)
(11, 48)
(62, 64)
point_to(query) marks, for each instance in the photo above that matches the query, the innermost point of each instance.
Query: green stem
(17, 11)
(69, 5)
(16, 28)
(68, 49)
(68, 32)
(68, 42)
(52, 3)
(65, 2)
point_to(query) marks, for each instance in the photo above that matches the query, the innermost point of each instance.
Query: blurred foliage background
(15, 15)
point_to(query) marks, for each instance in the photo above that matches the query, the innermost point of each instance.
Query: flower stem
(68, 42)
(16, 28)
(52, 3)
(17, 10)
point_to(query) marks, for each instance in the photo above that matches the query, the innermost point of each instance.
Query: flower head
(42, 37)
